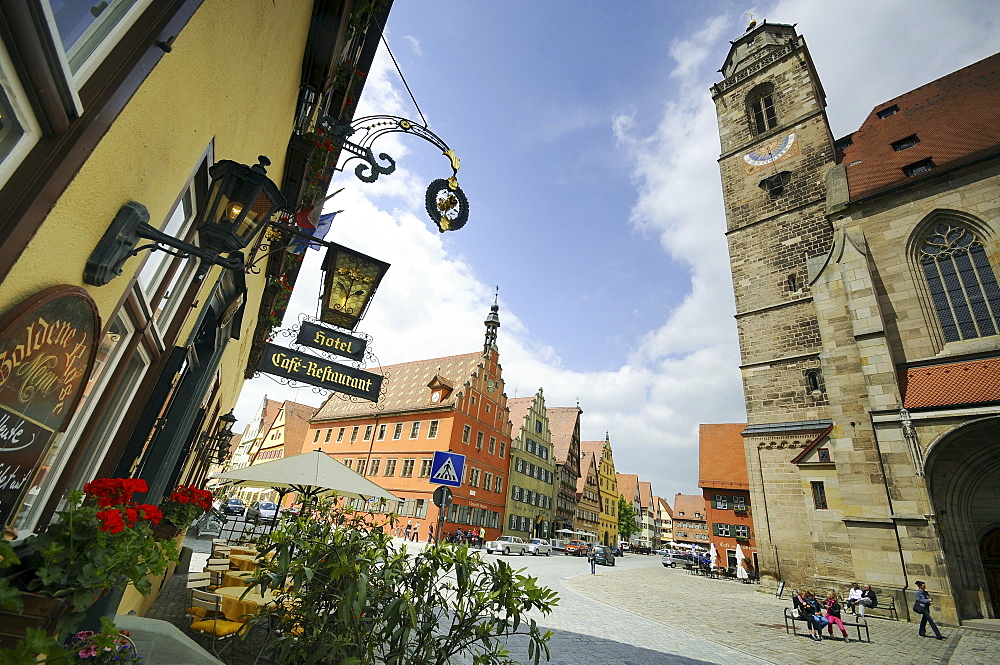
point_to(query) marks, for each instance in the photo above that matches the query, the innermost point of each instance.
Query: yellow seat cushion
(198, 611)
(218, 627)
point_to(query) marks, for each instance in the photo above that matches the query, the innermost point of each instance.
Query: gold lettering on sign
(36, 359)
(332, 342)
(37, 376)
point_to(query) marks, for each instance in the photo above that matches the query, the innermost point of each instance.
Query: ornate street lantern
(351, 280)
(241, 200)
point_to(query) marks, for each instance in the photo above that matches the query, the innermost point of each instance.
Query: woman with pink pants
(833, 615)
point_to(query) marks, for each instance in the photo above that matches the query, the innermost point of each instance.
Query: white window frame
(18, 100)
(397, 432)
(75, 81)
(432, 429)
(415, 429)
(425, 467)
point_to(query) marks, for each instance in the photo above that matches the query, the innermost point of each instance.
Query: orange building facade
(722, 477)
(455, 404)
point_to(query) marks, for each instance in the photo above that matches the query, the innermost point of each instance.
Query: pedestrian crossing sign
(447, 469)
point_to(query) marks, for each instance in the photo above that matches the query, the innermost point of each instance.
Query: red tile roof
(722, 462)
(956, 118)
(970, 382)
(519, 407)
(596, 447)
(645, 494)
(587, 460)
(664, 506)
(628, 485)
(563, 421)
(406, 388)
(689, 504)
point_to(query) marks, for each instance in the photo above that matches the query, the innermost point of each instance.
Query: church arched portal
(963, 477)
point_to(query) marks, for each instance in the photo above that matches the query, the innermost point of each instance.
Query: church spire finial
(492, 325)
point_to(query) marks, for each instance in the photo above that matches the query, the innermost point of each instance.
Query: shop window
(112, 359)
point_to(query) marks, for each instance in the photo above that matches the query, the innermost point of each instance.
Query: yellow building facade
(608, 487)
(139, 113)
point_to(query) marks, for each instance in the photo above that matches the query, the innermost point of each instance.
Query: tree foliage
(628, 526)
(347, 596)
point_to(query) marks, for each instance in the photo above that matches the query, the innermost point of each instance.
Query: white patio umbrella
(309, 475)
(712, 555)
(741, 572)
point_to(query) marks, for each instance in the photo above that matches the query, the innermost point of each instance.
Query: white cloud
(414, 44)
(685, 371)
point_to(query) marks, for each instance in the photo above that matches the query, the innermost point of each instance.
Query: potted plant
(346, 594)
(93, 547)
(110, 645)
(184, 505)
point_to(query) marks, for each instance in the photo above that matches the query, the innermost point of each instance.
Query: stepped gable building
(722, 477)
(588, 498)
(564, 423)
(865, 273)
(533, 479)
(690, 521)
(608, 485)
(454, 404)
(254, 433)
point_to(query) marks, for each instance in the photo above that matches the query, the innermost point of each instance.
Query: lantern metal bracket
(266, 246)
(445, 201)
(121, 242)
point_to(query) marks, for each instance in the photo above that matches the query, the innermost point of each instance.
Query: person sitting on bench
(867, 599)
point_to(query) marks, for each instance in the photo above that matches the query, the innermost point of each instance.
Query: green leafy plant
(346, 595)
(185, 504)
(108, 646)
(91, 549)
(627, 524)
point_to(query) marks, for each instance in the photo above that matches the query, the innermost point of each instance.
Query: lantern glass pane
(351, 280)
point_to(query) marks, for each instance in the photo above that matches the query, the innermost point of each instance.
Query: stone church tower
(868, 314)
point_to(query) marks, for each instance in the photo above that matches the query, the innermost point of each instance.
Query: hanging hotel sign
(47, 349)
(319, 372)
(331, 341)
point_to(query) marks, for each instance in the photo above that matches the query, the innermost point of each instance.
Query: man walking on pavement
(922, 606)
(592, 558)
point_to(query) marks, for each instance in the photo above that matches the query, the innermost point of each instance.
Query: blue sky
(588, 144)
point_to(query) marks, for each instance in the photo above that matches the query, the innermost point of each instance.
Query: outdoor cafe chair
(212, 623)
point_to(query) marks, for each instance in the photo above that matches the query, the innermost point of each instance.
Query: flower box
(40, 612)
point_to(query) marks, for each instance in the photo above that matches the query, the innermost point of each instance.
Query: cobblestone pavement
(639, 613)
(738, 616)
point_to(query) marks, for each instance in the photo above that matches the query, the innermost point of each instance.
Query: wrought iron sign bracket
(445, 201)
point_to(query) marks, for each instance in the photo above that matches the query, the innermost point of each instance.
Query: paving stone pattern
(739, 616)
(639, 613)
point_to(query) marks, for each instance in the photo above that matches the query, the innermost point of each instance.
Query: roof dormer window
(923, 166)
(886, 112)
(903, 144)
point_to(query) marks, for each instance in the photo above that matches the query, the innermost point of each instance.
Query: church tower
(776, 150)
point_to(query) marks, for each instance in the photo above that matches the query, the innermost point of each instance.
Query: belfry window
(962, 284)
(775, 185)
(760, 106)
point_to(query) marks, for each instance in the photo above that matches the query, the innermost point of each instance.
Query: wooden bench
(889, 608)
(860, 624)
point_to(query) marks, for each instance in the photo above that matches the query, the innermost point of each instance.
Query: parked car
(663, 550)
(674, 559)
(603, 555)
(539, 546)
(262, 511)
(234, 506)
(506, 545)
(575, 548)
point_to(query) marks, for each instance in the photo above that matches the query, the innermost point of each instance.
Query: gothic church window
(760, 106)
(961, 281)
